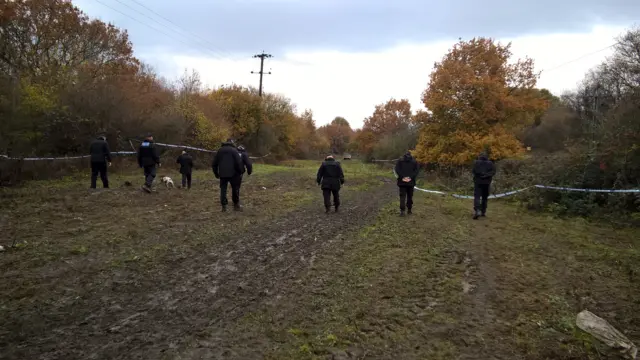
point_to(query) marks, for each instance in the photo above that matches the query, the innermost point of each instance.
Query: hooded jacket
(483, 170)
(227, 162)
(99, 150)
(246, 162)
(186, 163)
(330, 175)
(406, 166)
(148, 154)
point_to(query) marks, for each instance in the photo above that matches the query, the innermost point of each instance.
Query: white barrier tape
(495, 196)
(185, 147)
(64, 157)
(587, 190)
(200, 149)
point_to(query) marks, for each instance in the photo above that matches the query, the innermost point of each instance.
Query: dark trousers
(186, 180)
(406, 197)
(326, 193)
(99, 168)
(480, 197)
(235, 190)
(149, 175)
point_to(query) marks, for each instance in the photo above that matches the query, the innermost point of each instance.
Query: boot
(484, 214)
(237, 207)
(327, 209)
(337, 209)
(401, 212)
(409, 211)
(224, 208)
(476, 215)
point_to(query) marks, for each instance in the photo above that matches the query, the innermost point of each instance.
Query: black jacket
(227, 162)
(186, 163)
(148, 154)
(407, 166)
(483, 170)
(99, 150)
(330, 175)
(246, 163)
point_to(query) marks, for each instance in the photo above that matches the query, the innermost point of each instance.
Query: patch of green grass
(439, 285)
(385, 294)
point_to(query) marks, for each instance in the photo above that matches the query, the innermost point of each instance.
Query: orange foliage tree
(388, 119)
(478, 102)
(338, 134)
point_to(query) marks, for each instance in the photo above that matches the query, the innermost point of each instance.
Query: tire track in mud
(197, 298)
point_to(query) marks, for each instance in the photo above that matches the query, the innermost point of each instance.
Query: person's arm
(178, 159)
(214, 165)
(340, 174)
(140, 156)
(238, 163)
(396, 169)
(320, 174)
(247, 163)
(156, 156)
(107, 152)
(492, 170)
(416, 171)
(190, 161)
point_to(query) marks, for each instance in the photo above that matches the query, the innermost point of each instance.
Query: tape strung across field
(117, 153)
(495, 196)
(199, 149)
(64, 157)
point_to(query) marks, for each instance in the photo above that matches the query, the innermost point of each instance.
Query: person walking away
(247, 166)
(186, 168)
(406, 171)
(148, 160)
(227, 166)
(483, 172)
(100, 160)
(330, 178)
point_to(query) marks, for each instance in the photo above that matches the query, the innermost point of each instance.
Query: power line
(579, 58)
(261, 72)
(161, 24)
(145, 24)
(176, 25)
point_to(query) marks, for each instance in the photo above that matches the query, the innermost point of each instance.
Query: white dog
(167, 182)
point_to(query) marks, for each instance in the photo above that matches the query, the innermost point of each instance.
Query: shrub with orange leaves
(478, 101)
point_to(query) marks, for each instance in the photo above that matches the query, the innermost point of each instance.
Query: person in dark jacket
(227, 166)
(247, 166)
(330, 178)
(186, 168)
(100, 160)
(406, 171)
(483, 172)
(149, 160)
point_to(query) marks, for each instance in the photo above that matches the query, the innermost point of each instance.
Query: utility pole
(261, 72)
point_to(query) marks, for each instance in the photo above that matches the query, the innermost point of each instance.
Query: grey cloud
(246, 27)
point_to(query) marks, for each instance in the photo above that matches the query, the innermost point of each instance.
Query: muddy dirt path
(180, 309)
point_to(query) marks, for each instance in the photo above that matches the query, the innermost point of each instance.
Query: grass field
(119, 274)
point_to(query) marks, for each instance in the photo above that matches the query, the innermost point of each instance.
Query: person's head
(329, 158)
(102, 137)
(184, 151)
(407, 154)
(483, 156)
(149, 137)
(230, 141)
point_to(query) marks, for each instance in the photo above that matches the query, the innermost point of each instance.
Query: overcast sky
(341, 58)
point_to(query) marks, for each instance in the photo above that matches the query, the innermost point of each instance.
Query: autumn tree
(478, 101)
(338, 134)
(389, 120)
